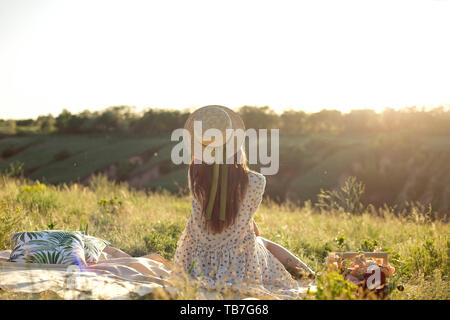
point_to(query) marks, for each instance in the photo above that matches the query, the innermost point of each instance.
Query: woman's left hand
(255, 228)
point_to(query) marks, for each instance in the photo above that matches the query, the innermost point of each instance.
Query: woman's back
(233, 256)
(238, 230)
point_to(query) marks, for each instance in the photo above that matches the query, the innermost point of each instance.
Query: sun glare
(336, 55)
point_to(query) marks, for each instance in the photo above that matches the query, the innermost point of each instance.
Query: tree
(365, 120)
(46, 123)
(259, 117)
(62, 121)
(11, 126)
(293, 122)
(325, 121)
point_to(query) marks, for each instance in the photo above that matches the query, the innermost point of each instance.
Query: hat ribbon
(223, 191)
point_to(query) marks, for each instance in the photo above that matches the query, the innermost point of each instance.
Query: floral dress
(235, 258)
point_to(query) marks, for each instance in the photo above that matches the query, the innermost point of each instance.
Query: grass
(394, 167)
(85, 154)
(140, 223)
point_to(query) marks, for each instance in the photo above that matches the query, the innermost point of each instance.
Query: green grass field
(141, 223)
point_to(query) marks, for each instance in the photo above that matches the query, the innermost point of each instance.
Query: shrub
(348, 198)
(37, 197)
(425, 258)
(15, 169)
(9, 219)
(340, 241)
(332, 286)
(368, 245)
(112, 205)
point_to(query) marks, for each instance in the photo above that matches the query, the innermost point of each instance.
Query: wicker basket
(381, 258)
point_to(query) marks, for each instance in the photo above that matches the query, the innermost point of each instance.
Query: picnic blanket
(117, 275)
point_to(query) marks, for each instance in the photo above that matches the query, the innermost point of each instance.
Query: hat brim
(236, 123)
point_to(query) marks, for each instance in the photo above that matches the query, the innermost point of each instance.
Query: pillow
(48, 247)
(93, 248)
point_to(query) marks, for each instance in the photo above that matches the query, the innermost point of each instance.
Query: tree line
(125, 120)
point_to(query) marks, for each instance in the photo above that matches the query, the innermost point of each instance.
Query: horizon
(136, 110)
(342, 56)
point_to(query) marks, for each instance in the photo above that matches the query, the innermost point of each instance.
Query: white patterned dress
(235, 258)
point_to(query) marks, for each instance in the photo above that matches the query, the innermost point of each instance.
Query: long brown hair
(201, 176)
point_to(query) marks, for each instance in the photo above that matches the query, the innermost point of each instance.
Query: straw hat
(214, 117)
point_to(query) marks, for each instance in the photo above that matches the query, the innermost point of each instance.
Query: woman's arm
(288, 259)
(255, 228)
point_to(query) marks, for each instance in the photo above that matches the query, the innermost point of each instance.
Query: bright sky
(176, 54)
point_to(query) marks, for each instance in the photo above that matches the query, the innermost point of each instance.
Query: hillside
(394, 167)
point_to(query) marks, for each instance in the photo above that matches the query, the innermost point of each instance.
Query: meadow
(360, 181)
(400, 155)
(140, 222)
(395, 168)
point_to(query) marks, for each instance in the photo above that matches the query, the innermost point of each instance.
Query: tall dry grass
(139, 223)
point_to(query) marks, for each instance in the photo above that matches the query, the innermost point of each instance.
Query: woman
(221, 243)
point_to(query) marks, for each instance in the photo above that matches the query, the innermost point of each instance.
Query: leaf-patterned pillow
(48, 247)
(93, 248)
